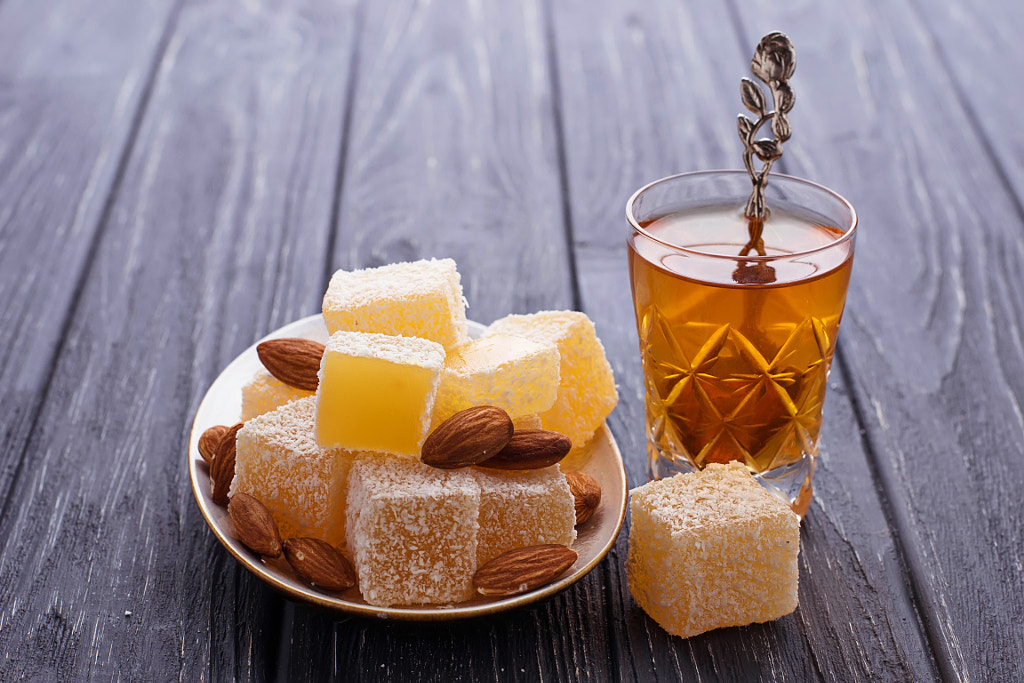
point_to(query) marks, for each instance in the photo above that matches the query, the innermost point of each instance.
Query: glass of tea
(737, 332)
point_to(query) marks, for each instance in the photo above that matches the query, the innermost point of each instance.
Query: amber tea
(736, 350)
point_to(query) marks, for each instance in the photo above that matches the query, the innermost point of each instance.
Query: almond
(518, 571)
(587, 494)
(319, 563)
(293, 360)
(222, 469)
(255, 526)
(209, 441)
(530, 449)
(468, 437)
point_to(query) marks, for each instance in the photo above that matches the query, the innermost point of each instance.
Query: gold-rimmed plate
(222, 405)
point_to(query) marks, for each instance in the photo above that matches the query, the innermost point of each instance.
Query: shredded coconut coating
(527, 422)
(412, 530)
(520, 509)
(402, 350)
(279, 462)
(586, 392)
(417, 299)
(264, 393)
(514, 373)
(712, 549)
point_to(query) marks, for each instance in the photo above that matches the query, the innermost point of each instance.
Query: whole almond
(222, 469)
(209, 441)
(319, 563)
(518, 571)
(292, 360)
(468, 437)
(530, 449)
(256, 527)
(587, 494)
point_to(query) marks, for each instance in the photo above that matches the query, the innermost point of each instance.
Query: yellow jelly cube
(377, 392)
(513, 373)
(412, 531)
(520, 509)
(586, 392)
(264, 393)
(712, 549)
(418, 299)
(279, 462)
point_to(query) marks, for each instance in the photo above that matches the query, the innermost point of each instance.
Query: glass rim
(847, 235)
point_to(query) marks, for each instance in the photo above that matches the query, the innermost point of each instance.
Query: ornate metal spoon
(773, 64)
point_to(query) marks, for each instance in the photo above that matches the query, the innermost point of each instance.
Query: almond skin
(256, 528)
(468, 437)
(209, 441)
(292, 360)
(319, 563)
(222, 469)
(518, 571)
(530, 449)
(587, 494)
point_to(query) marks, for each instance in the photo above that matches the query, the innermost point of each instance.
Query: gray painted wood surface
(178, 178)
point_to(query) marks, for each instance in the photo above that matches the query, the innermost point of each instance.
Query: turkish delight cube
(523, 508)
(412, 531)
(586, 392)
(279, 462)
(377, 392)
(514, 373)
(712, 549)
(418, 299)
(264, 393)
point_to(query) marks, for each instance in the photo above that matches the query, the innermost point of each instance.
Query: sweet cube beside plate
(222, 404)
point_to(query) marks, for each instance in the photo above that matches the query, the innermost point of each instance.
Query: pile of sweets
(341, 464)
(712, 549)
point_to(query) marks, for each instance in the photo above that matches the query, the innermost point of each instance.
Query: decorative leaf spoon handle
(773, 64)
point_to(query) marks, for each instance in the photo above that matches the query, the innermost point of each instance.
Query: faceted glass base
(790, 482)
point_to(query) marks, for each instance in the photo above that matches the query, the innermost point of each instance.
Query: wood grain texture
(453, 153)
(666, 79)
(178, 177)
(978, 45)
(933, 340)
(72, 79)
(108, 569)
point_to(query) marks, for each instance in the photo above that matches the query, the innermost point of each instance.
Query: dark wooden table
(179, 177)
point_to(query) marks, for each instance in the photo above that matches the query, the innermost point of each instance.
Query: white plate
(222, 405)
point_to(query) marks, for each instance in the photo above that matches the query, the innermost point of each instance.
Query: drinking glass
(737, 325)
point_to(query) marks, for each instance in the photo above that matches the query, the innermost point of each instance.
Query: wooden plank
(666, 81)
(933, 340)
(72, 78)
(453, 153)
(108, 568)
(978, 44)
